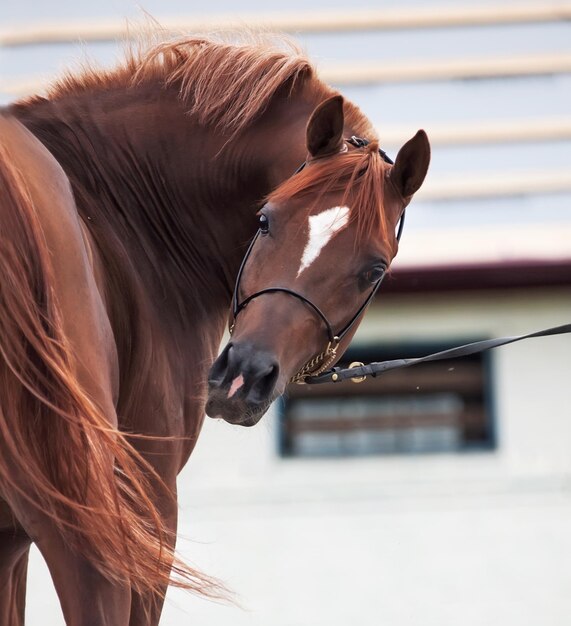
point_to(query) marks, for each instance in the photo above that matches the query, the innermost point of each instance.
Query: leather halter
(323, 360)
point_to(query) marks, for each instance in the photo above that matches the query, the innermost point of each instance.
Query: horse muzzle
(242, 384)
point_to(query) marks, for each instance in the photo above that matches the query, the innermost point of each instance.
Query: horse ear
(325, 128)
(411, 165)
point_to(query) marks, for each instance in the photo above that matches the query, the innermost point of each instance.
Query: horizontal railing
(308, 21)
(484, 245)
(482, 131)
(493, 185)
(365, 72)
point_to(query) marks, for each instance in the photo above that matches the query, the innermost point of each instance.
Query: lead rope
(358, 372)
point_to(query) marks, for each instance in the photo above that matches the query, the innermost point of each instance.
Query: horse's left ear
(325, 128)
(411, 165)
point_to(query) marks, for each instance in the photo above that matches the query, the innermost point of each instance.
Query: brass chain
(318, 364)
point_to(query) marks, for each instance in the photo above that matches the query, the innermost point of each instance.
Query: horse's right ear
(411, 165)
(325, 128)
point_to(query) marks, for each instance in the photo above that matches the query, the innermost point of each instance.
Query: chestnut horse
(128, 201)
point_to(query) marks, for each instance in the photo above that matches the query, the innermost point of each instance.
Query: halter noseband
(322, 361)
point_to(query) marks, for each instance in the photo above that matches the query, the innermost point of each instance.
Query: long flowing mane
(226, 81)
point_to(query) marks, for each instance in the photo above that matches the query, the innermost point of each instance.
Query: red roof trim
(485, 276)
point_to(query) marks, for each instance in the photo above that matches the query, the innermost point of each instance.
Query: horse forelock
(358, 174)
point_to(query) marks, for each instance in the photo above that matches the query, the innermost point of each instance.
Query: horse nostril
(263, 383)
(220, 367)
(243, 371)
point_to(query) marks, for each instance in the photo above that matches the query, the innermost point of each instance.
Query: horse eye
(264, 224)
(375, 273)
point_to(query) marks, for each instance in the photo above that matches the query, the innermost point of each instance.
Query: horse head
(326, 239)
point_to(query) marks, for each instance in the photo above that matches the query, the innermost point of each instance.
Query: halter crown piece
(319, 363)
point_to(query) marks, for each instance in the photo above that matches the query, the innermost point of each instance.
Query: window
(433, 407)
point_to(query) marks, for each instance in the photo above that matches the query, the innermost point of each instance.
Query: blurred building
(297, 508)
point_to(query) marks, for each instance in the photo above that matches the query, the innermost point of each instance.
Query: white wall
(532, 379)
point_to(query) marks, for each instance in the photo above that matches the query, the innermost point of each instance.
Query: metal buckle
(358, 142)
(357, 379)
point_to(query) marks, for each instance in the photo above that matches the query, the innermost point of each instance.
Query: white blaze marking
(322, 227)
(236, 384)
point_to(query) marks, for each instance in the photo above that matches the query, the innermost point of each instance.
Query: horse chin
(234, 410)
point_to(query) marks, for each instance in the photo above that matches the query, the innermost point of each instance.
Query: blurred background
(435, 495)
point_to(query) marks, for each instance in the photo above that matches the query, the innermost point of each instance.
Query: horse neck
(168, 202)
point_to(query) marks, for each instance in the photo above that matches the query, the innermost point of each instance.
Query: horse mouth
(233, 410)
